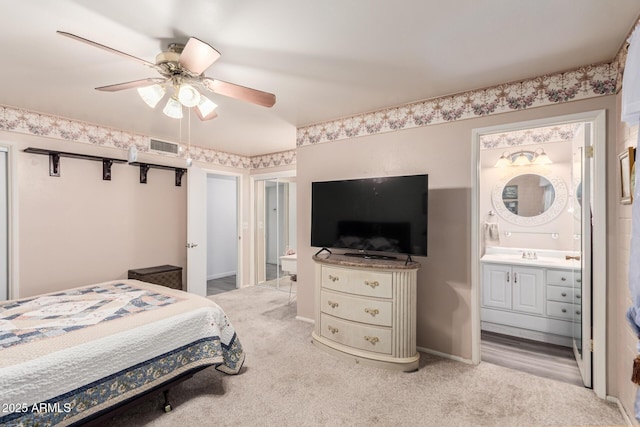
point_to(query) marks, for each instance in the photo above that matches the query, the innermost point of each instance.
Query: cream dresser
(366, 310)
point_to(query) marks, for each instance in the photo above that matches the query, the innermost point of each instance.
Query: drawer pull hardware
(333, 278)
(579, 280)
(507, 277)
(564, 294)
(568, 257)
(332, 329)
(564, 279)
(332, 304)
(373, 284)
(577, 311)
(515, 277)
(578, 296)
(564, 310)
(372, 311)
(372, 340)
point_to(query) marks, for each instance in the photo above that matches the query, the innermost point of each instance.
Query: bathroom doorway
(535, 202)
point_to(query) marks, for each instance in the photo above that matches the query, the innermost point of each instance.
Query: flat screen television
(371, 215)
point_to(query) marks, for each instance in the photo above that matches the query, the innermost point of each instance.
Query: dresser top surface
(349, 261)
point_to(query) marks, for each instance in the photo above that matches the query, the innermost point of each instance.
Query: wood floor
(537, 358)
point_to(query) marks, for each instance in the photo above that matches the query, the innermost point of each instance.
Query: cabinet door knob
(564, 294)
(372, 311)
(333, 278)
(507, 277)
(373, 284)
(372, 340)
(578, 296)
(564, 279)
(577, 311)
(332, 329)
(332, 304)
(564, 310)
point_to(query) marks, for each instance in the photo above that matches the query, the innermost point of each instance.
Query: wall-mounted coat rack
(144, 168)
(54, 160)
(54, 164)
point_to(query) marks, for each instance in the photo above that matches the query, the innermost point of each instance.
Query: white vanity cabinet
(366, 310)
(514, 288)
(538, 303)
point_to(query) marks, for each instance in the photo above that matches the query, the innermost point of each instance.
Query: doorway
(275, 232)
(4, 225)
(535, 264)
(222, 235)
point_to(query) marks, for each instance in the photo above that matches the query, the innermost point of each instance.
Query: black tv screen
(386, 214)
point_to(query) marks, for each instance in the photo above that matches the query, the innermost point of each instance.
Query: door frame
(13, 289)
(239, 223)
(599, 242)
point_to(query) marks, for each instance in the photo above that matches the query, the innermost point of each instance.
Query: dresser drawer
(563, 277)
(370, 338)
(563, 294)
(374, 312)
(563, 310)
(358, 282)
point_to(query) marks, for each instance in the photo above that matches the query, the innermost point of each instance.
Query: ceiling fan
(182, 69)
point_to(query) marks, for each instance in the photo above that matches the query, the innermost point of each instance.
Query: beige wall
(78, 229)
(444, 152)
(622, 342)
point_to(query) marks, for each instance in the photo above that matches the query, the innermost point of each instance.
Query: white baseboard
(219, 275)
(306, 319)
(626, 416)
(445, 355)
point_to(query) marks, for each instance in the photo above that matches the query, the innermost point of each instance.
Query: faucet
(529, 255)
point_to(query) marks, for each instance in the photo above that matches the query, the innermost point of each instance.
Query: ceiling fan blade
(197, 56)
(131, 85)
(242, 93)
(109, 49)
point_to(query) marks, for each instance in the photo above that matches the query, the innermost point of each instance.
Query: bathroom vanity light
(523, 158)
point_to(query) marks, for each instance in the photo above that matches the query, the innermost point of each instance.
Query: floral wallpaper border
(582, 83)
(32, 123)
(541, 135)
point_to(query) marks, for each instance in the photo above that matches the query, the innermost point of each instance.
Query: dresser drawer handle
(372, 340)
(564, 279)
(564, 310)
(579, 280)
(332, 304)
(373, 284)
(332, 329)
(372, 311)
(333, 278)
(578, 296)
(564, 294)
(577, 311)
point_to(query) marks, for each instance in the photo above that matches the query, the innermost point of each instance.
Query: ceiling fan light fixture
(151, 95)
(173, 108)
(206, 106)
(188, 95)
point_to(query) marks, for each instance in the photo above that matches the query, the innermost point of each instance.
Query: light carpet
(286, 381)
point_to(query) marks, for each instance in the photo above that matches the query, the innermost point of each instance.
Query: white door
(583, 230)
(528, 290)
(196, 231)
(496, 286)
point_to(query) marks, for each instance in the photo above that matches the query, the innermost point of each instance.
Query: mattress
(70, 355)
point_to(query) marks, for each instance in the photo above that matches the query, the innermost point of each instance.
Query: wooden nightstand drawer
(369, 338)
(374, 312)
(358, 282)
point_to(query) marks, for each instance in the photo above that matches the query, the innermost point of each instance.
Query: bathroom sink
(540, 259)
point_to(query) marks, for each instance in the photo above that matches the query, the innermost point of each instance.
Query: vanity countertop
(544, 257)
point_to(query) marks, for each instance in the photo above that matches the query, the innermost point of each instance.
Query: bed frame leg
(167, 404)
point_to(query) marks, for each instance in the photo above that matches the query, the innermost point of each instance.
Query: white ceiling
(323, 59)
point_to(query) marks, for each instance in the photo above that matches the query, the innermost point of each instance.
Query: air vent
(164, 147)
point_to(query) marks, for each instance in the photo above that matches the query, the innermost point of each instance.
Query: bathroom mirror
(529, 198)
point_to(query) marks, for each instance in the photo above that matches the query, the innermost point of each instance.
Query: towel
(491, 233)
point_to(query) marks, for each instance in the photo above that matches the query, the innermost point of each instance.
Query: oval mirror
(529, 198)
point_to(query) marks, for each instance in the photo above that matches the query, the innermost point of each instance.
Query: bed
(70, 357)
